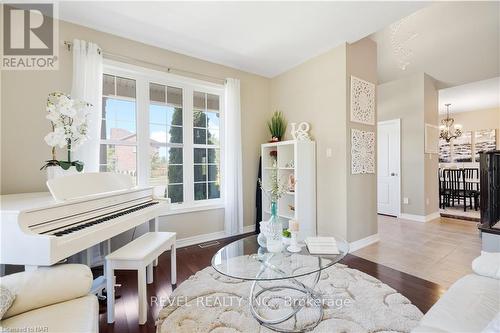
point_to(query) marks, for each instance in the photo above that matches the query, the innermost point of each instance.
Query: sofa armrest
(46, 286)
(488, 264)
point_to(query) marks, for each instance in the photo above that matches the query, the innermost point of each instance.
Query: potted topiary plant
(277, 126)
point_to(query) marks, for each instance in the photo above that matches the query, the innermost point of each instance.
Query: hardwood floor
(191, 259)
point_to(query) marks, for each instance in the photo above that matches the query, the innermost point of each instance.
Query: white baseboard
(420, 218)
(188, 241)
(360, 243)
(432, 216)
(248, 228)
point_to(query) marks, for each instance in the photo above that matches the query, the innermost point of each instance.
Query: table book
(322, 245)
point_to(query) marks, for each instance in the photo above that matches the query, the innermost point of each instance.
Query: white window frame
(143, 76)
(119, 142)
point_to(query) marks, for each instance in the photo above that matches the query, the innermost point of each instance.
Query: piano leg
(107, 250)
(108, 246)
(173, 265)
(149, 273)
(110, 293)
(153, 227)
(88, 257)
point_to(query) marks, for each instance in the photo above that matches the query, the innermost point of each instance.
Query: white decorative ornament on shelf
(362, 101)
(300, 132)
(362, 152)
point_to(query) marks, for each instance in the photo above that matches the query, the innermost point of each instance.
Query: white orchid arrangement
(68, 118)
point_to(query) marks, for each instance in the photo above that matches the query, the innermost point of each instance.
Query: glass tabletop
(244, 259)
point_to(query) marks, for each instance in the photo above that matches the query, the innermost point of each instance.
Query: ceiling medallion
(448, 129)
(400, 40)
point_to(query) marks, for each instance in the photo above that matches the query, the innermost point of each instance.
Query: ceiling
(473, 96)
(265, 38)
(454, 42)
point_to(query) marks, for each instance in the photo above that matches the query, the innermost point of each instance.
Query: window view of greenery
(206, 127)
(166, 142)
(118, 148)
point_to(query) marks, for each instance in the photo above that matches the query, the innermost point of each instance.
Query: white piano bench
(139, 255)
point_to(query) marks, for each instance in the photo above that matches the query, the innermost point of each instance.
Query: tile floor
(440, 251)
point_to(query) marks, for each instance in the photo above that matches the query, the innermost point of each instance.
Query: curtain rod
(172, 70)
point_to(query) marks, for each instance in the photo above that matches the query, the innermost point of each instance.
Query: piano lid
(79, 187)
(87, 184)
(15, 203)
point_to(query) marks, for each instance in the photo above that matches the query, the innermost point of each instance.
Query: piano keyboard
(58, 232)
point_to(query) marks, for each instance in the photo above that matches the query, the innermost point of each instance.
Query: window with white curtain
(164, 130)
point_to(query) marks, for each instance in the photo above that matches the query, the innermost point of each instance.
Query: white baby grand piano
(82, 210)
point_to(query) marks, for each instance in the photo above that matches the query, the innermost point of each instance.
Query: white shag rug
(211, 302)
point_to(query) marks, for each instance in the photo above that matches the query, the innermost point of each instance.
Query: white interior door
(388, 167)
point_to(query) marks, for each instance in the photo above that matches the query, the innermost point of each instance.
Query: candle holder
(294, 245)
(294, 229)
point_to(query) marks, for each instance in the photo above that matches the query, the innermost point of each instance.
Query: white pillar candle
(293, 226)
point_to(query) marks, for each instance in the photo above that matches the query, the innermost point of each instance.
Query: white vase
(57, 171)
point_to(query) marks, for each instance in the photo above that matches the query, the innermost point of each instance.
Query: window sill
(192, 208)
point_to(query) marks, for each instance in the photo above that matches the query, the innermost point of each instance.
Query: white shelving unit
(297, 158)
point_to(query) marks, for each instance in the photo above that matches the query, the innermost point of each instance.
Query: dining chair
(442, 189)
(453, 186)
(471, 187)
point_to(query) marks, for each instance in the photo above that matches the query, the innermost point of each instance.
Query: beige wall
(404, 99)
(317, 92)
(23, 95)
(431, 164)
(362, 63)
(478, 120)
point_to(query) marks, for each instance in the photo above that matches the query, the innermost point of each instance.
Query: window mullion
(143, 160)
(222, 141)
(188, 145)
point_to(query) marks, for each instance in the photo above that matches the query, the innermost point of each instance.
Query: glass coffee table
(280, 276)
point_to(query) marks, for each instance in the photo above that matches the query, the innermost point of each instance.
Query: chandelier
(448, 129)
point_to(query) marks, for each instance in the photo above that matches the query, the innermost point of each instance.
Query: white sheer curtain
(87, 85)
(233, 182)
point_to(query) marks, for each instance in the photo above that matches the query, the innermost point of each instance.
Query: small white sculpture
(300, 132)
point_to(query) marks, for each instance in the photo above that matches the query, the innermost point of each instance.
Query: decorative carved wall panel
(362, 151)
(362, 101)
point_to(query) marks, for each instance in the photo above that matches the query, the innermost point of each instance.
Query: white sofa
(470, 305)
(53, 299)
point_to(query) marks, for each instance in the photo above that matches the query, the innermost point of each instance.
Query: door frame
(396, 122)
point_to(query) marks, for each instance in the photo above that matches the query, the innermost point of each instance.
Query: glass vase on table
(275, 229)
